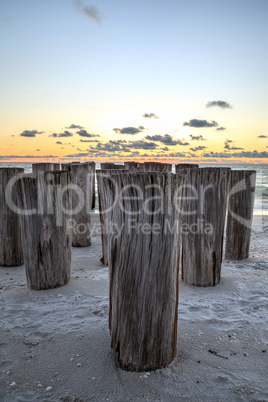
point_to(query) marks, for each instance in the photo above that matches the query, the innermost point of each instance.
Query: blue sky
(102, 65)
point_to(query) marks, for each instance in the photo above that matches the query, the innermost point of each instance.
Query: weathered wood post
(157, 167)
(44, 200)
(182, 166)
(140, 168)
(204, 211)
(143, 262)
(82, 177)
(11, 253)
(131, 165)
(104, 208)
(42, 167)
(66, 166)
(110, 165)
(93, 172)
(240, 214)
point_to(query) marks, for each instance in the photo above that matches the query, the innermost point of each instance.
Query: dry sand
(59, 338)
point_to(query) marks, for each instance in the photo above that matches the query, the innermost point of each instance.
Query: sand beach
(55, 344)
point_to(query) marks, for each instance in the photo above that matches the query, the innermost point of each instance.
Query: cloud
(150, 116)
(81, 154)
(198, 148)
(227, 142)
(177, 155)
(125, 146)
(219, 103)
(143, 145)
(129, 130)
(197, 137)
(200, 123)
(84, 133)
(74, 126)
(89, 141)
(229, 147)
(165, 139)
(220, 128)
(91, 12)
(243, 154)
(65, 134)
(262, 136)
(30, 133)
(236, 148)
(111, 146)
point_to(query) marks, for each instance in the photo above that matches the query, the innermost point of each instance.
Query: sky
(104, 80)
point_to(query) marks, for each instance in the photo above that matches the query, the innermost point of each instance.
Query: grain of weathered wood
(240, 214)
(157, 167)
(11, 253)
(41, 167)
(104, 206)
(46, 238)
(204, 212)
(143, 263)
(82, 179)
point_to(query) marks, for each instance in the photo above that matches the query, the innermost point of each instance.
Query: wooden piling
(204, 212)
(182, 166)
(82, 179)
(66, 166)
(93, 172)
(45, 200)
(104, 206)
(240, 214)
(143, 263)
(11, 253)
(42, 167)
(131, 165)
(157, 167)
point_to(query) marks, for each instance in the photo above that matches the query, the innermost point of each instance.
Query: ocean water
(261, 193)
